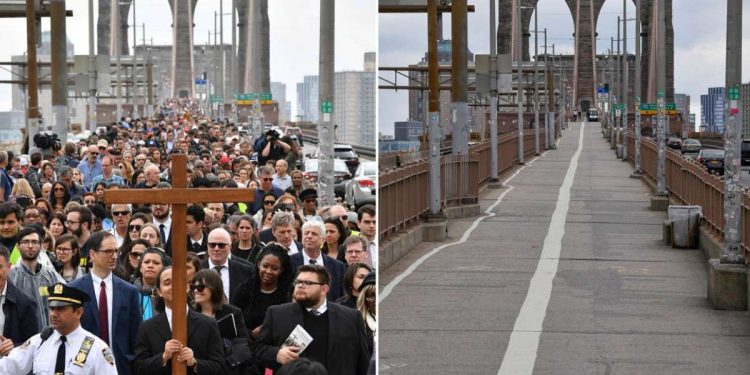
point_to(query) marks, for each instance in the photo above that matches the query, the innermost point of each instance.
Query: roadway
(566, 275)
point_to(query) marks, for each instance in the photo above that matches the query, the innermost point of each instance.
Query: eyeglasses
(219, 245)
(197, 287)
(108, 253)
(135, 254)
(93, 153)
(71, 222)
(64, 249)
(267, 179)
(29, 242)
(120, 213)
(306, 283)
(136, 228)
(269, 202)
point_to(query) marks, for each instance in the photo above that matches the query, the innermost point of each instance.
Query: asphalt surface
(620, 302)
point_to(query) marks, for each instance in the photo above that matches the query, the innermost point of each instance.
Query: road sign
(200, 81)
(620, 106)
(326, 107)
(651, 108)
(216, 99)
(734, 93)
(266, 96)
(602, 90)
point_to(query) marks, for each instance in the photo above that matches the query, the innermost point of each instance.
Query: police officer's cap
(63, 295)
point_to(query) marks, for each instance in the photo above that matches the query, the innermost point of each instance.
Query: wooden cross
(179, 196)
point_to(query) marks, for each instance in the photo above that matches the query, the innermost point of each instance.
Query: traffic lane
(454, 314)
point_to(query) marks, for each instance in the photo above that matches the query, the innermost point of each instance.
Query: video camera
(272, 135)
(46, 141)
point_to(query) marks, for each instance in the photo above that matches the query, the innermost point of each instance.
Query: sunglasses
(197, 287)
(219, 245)
(135, 255)
(93, 153)
(269, 202)
(120, 213)
(267, 179)
(136, 228)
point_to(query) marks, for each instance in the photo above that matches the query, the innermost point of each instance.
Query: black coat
(203, 337)
(20, 315)
(240, 352)
(239, 271)
(347, 342)
(335, 272)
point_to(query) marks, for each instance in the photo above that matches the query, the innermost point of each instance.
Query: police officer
(65, 348)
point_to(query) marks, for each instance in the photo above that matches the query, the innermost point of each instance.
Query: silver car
(362, 188)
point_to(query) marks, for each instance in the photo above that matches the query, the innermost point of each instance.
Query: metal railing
(691, 184)
(404, 190)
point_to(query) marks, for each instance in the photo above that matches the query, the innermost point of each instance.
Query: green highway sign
(652, 107)
(734, 93)
(252, 96)
(216, 99)
(620, 106)
(326, 107)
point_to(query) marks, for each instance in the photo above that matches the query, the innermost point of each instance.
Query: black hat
(308, 193)
(369, 279)
(63, 295)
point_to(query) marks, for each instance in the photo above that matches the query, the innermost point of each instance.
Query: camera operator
(273, 148)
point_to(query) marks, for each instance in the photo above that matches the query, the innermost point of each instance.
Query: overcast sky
(294, 34)
(700, 44)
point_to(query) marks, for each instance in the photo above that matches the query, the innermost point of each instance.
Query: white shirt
(199, 242)
(168, 311)
(39, 357)
(2, 302)
(318, 260)
(167, 226)
(97, 290)
(293, 248)
(322, 308)
(373, 249)
(224, 274)
(119, 239)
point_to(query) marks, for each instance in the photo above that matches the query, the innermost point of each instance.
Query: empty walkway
(606, 297)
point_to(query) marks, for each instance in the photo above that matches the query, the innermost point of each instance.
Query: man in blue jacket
(112, 313)
(19, 311)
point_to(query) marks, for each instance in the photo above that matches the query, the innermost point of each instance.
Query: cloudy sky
(294, 34)
(700, 45)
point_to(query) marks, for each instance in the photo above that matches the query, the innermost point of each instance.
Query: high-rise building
(745, 109)
(682, 102)
(278, 92)
(712, 110)
(307, 99)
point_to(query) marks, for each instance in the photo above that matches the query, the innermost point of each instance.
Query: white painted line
(520, 355)
(488, 213)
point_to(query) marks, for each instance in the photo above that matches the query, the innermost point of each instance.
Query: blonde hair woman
(22, 187)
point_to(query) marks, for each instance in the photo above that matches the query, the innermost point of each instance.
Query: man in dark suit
(197, 241)
(283, 227)
(312, 239)
(112, 312)
(19, 311)
(339, 340)
(233, 272)
(163, 221)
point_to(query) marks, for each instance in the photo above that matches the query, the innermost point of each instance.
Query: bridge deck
(620, 301)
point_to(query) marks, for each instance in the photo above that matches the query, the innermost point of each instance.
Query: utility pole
(493, 88)
(213, 61)
(434, 107)
(59, 70)
(536, 85)
(563, 99)
(325, 99)
(551, 102)
(619, 84)
(625, 80)
(637, 88)
(233, 63)
(116, 45)
(459, 79)
(221, 53)
(135, 75)
(547, 111)
(612, 95)
(661, 188)
(732, 251)
(92, 71)
(519, 66)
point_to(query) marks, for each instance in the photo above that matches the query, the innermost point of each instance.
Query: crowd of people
(256, 270)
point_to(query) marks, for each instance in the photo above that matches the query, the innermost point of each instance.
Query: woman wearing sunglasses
(130, 256)
(69, 256)
(134, 229)
(208, 299)
(59, 196)
(271, 285)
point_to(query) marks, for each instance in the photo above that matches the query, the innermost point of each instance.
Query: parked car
(691, 146)
(745, 153)
(363, 187)
(295, 131)
(712, 159)
(340, 175)
(344, 152)
(674, 143)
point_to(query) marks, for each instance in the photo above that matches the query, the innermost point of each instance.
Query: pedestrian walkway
(567, 274)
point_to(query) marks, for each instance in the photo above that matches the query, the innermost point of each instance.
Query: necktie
(196, 247)
(103, 313)
(315, 312)
(60, 362)
(312, 261)
(218, 269)
(163, 236)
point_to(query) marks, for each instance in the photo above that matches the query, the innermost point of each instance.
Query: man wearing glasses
(121, 215)
(30, 275)
(92, 167)
(265, 174)
(233, 273)
(333, 327)
(112, 312)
